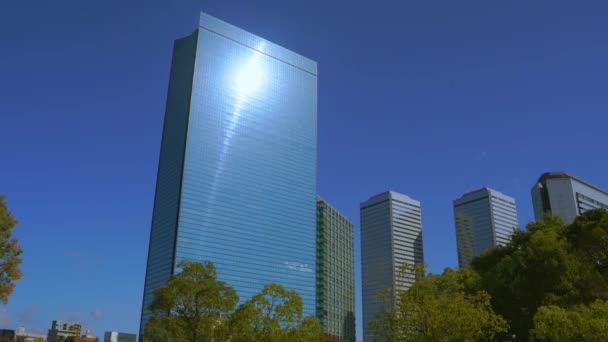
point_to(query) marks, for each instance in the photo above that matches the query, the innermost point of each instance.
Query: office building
(564, 195)
(61, 331)
(114, 336)
(335, 273)
(483, 218)
(391, 236)
(236, 180)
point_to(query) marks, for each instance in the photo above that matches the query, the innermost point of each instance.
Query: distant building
(60, 331)
(87, 337)
(7, 335)
(23, 336)
(113, 336)
(391, 236)
(483, 218)
(335, 273)
(564, 195)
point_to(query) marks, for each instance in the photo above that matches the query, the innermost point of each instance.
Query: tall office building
(483, 218)
(335, 273)
(237, 173)
(391, 235)
(565, 195)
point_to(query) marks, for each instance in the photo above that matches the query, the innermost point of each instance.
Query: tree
(275, 314)
(9, 253)
(194, 306)
(581, 323)
(444, 307)
(549, 264)
(588, 239)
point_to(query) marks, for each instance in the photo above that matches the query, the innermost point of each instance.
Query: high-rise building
(565, 195)
(391, 236)
(114, 336)
(237, 173)
(335, 273)
(483, 218)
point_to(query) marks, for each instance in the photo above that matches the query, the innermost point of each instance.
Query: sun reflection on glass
(250, 76)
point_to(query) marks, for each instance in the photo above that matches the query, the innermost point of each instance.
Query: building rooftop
(257, 43)
(564, 175)
(320, 199)
(387, 195)
(481, 193)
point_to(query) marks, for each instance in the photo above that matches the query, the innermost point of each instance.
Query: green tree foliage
(275, 314)
(549, 264)
(444, 307)
(588, 240)
(581, 323)
(9, 253)
(194, 306)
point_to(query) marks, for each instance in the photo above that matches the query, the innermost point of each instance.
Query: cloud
(97, 313)
(71, 316)
(28, 315)
(5, 318)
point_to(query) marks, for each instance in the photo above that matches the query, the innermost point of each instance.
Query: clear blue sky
(429, 98)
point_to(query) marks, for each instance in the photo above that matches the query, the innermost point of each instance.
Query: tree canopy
(9, 253)
(274, 314)
(550, 283)
(549, 264)
(580, 323)
(440, 308)
(195, 306)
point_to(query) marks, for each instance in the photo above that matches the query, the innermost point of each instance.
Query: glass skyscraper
(391, 236)
(335, 273)
(483, 218)
(236, 179)
(565, 195)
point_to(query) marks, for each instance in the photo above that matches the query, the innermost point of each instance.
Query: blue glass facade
(244, 167)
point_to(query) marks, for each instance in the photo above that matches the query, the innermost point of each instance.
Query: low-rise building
(60, 331)
(114, 336)
(23, 336)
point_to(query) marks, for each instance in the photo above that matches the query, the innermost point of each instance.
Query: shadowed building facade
(562, 194)
(483, 218)
(335, 273)
(236, 180)
(391, 236)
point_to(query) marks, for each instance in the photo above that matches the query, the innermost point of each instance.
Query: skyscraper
(236, 178)
(391, 235)
(335, 273)
(483, 218)
(565, 195)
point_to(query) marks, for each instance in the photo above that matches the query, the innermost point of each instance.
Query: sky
(428, 98)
